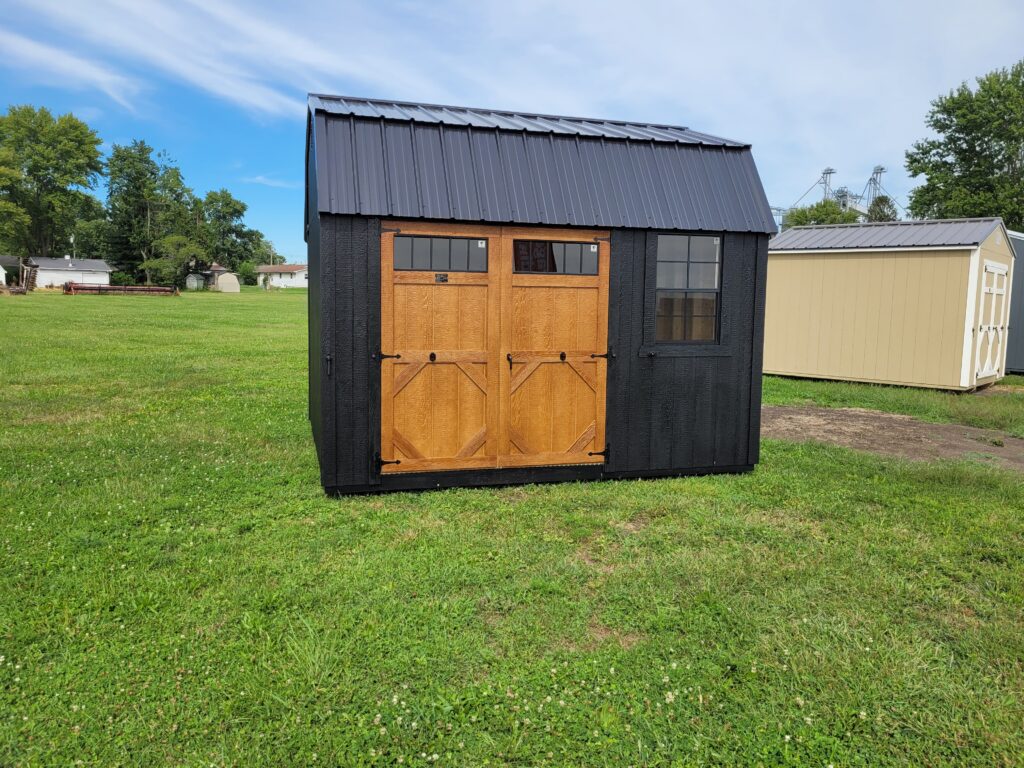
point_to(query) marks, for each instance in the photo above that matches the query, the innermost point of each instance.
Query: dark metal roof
(77, 265)
(9, 261)
(890, 234)
(401, 160)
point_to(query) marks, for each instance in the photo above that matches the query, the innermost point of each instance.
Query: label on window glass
(481, 243)
(593, 249)
(716, 241)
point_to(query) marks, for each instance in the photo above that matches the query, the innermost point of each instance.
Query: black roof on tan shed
(398, 159)
(920, 235)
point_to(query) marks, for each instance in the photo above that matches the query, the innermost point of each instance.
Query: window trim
(651, 347)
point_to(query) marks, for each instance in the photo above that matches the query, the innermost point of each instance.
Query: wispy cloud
(54, 66)
(267, 181)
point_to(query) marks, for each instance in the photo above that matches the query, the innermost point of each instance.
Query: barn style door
(992, 320)
(439, 342)
(493, 344)
(554, 331)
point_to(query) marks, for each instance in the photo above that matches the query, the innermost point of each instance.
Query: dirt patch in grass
(891, 434)
(600, 633)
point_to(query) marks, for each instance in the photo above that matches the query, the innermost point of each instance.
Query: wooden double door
(489, 359)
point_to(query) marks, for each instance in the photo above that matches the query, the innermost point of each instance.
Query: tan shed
(916, 303)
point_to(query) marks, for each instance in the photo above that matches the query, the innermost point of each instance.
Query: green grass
(1002, 409)
(175, 589)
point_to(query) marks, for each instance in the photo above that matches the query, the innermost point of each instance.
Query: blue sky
(221, 85)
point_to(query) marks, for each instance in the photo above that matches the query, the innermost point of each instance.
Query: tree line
(151, 228)
(973, 165)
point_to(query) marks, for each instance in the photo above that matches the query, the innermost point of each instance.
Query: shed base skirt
(483, 478)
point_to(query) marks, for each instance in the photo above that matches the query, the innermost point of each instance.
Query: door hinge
(607, 355)
(607, 452)
(381, 462)
(329, 359)
(380, 356)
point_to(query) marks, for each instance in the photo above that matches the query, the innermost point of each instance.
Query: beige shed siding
(996, 248)
(893, 317)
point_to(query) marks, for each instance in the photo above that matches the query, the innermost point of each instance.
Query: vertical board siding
(350, 307)
(893, 317)
(1015, 340)
(685, 412)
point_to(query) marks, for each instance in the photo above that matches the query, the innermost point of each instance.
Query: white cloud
(54, 66)
(268, 181)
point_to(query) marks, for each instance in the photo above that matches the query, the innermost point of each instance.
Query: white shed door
(992, 320)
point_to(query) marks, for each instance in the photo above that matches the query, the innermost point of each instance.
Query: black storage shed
(498, 297)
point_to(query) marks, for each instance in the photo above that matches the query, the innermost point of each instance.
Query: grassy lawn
(1001, 409)
(174, 589)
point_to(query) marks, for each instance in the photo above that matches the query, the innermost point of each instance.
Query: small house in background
(916, 303)
(282, 276)
(10, 270)
(53, 273)
(1015, 341)
(501, 297)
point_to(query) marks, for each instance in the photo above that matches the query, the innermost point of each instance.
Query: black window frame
(448, 268)
(652, 347)
(552, 242)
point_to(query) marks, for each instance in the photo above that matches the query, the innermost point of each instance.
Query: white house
(53, 273)
(283, 275)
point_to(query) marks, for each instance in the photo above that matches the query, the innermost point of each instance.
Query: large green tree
(132, 176)
(45, 164)
(975, 164)
(822, 212)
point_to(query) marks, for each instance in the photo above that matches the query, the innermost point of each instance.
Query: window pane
(439, 258)
(703, 248)
(558, 253)
(669, 303)
(460, 255)
(672, 247)
(671, 274)
(403, 253)
(703, 276)
(700, 329)
(539, 256)
(704, 304)
(477, 255)
(572, 258)
(521, 251)
(589, 266)
(421, 253)
(668, 328)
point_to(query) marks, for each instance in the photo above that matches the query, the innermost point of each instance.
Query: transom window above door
(688, 283)
(550, 257)
(440, 254)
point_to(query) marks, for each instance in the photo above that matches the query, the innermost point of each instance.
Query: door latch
(329, 359)
(606, 452)
(607, 355)
(509, 358)
(381, 462)
(381, 356)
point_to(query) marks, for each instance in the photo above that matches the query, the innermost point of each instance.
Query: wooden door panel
(439, 399)
(554, 390)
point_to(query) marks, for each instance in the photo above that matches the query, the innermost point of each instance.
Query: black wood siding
(347, 295)
(676, 411)
(672, 407)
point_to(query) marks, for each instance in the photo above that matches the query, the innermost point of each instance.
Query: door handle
(509, 358)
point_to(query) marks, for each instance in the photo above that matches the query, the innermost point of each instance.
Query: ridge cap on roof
(901, 222)
(520, 113)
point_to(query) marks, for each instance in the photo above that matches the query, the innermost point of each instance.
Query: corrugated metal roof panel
(74, 265)
(510, 168)
(893, 234)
